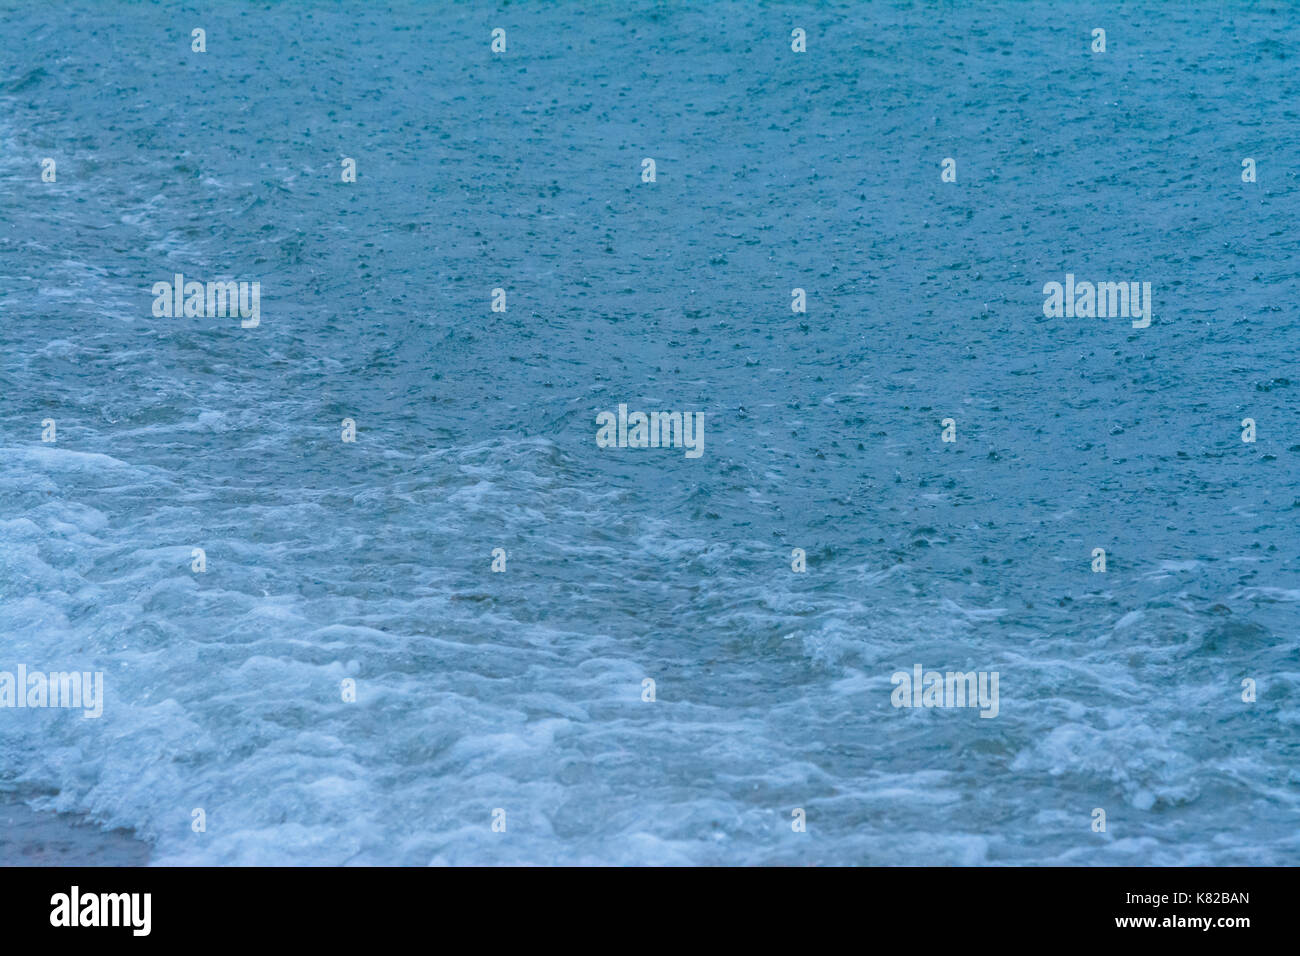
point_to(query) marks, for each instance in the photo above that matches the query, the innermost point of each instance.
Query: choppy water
(476, 430)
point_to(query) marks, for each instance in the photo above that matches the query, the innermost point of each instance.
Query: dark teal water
(476, 430)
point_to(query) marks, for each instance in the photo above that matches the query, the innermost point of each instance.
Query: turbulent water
(523, 691)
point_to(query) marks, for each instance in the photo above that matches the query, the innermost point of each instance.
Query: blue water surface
(775, 170)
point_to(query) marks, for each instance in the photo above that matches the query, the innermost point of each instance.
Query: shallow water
(475, 430)
(32, 838)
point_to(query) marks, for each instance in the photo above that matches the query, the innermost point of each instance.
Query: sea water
(225, 736)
